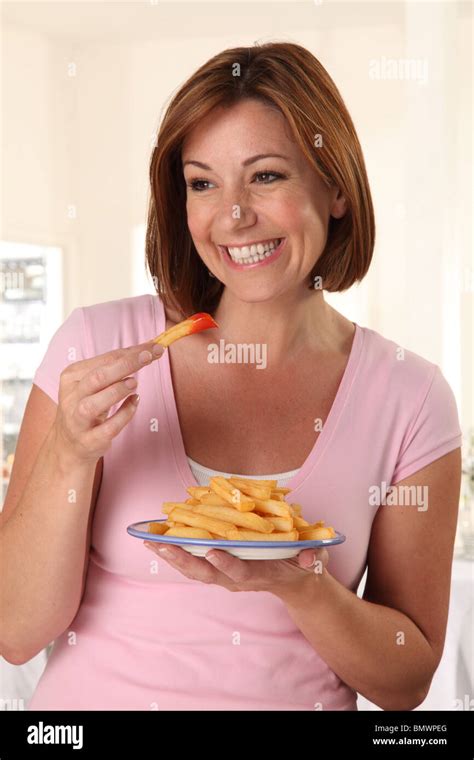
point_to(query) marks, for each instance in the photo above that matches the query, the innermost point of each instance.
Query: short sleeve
(67, 345)
(434, 432)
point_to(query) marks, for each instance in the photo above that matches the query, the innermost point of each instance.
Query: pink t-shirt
(145, 636)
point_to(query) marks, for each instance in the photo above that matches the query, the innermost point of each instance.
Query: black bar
(110, 734)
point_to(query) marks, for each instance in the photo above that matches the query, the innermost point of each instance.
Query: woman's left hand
(286, 578)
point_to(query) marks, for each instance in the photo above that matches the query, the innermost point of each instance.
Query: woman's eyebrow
(247, 161)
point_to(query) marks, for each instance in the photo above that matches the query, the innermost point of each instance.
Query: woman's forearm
(376, 650)
(43, 549)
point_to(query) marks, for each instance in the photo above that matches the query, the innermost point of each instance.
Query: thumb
(314, 560)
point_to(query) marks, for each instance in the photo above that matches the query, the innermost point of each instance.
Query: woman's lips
(255, 264)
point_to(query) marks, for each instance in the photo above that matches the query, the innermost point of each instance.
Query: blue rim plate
(139, 530)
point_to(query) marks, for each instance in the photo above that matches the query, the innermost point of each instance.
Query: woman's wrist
(64, 461)
(307, 592)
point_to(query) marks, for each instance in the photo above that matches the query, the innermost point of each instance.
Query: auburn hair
(281, 75)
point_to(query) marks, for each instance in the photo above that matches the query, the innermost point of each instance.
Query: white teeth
(252, 254)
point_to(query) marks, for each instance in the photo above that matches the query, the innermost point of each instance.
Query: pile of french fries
(239, 509)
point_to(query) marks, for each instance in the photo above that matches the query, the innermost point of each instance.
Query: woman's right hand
(82, 430)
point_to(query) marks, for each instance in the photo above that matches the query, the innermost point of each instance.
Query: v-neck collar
(163, 377)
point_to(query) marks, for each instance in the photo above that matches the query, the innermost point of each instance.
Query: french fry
(281, 523)
(252, 535)
(299, 523)
(315, 525)
(234, 508)
(157, 527)
(188, 517)
(252, 481)
(168, 506)
(248, 520)
(214, 500)
(236, 498)
(272, 507)
(316, 534)
(193, 324)
(187, 532)
(197, 491)
(260, 492)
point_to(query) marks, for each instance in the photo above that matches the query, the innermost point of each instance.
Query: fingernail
(145, 357)
(135, 399)
(157, 350)
(165, 552)
(214, 559)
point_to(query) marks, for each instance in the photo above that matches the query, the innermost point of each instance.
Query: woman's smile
(253, 255)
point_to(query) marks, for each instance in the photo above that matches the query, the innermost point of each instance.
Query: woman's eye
(268, 174)
(196, 184)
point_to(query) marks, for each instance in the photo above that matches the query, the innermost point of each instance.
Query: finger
(115, 369)
(78, 370)
(92, 407)
(192, 567)
(113, 424)
(313, 559)
(234, 568)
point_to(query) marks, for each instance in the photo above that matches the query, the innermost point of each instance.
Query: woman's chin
(255, 293)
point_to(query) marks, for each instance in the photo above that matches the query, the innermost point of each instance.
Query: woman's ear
(338, 205)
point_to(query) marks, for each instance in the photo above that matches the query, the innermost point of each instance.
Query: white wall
(83, 142)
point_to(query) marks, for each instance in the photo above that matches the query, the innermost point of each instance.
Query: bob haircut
(289, 78)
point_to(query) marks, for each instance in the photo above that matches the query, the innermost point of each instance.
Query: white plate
(241, 549)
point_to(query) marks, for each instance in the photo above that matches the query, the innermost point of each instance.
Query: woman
(259, 201)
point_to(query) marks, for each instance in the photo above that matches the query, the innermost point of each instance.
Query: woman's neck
(287, 325)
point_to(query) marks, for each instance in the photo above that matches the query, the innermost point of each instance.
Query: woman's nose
(236, 207)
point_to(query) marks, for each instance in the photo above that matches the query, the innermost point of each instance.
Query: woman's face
(237, 198)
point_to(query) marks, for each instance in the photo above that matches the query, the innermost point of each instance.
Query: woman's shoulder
(412, 390)
(395, 357)
(404, 375)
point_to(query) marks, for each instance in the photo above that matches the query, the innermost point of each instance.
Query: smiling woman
(310, 151)
(258, 155)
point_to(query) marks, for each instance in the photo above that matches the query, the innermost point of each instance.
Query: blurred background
(84, 86)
